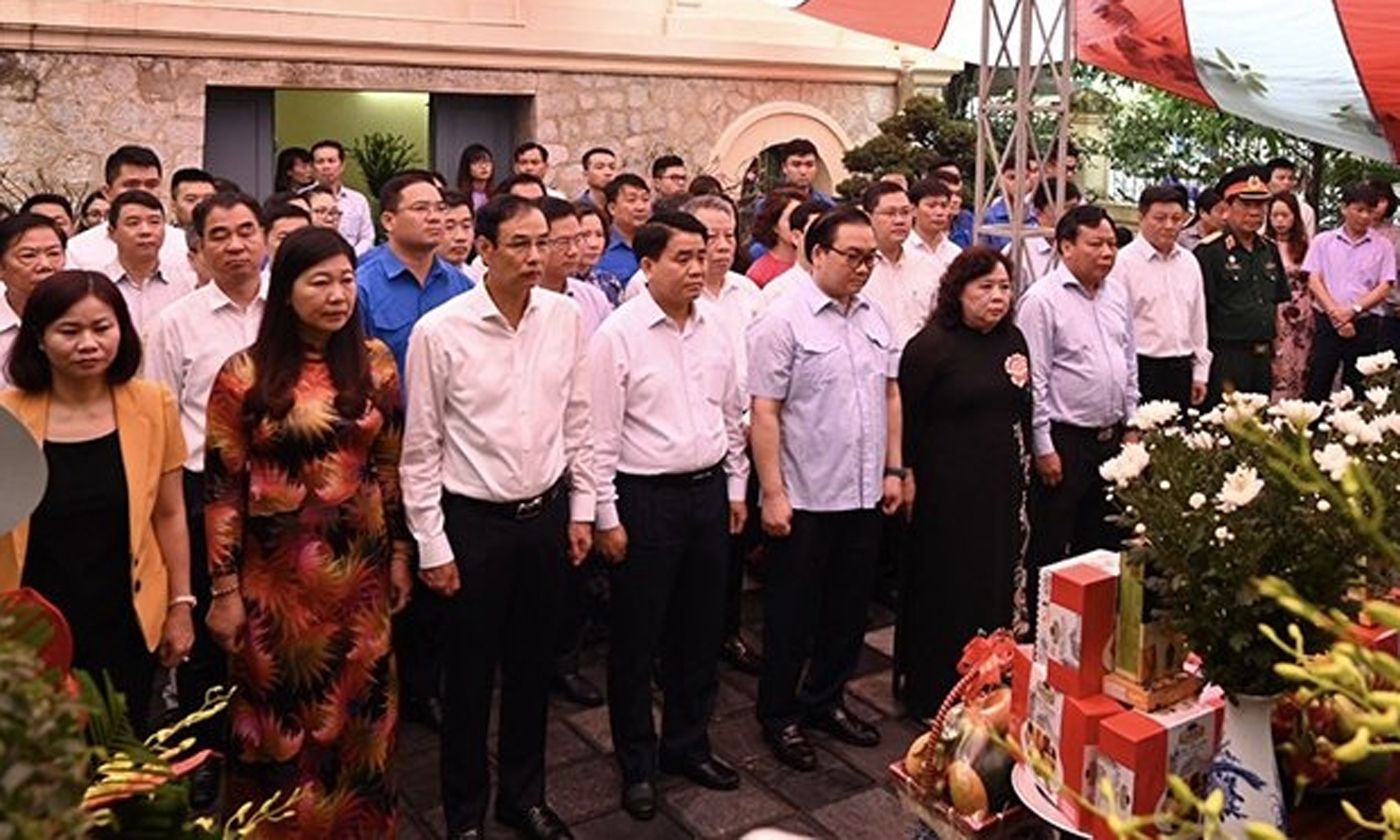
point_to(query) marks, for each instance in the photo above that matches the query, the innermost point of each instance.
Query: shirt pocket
(819, 358)
(391, 322)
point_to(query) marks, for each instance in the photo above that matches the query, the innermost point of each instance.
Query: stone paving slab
(872, 815)
(710, 813)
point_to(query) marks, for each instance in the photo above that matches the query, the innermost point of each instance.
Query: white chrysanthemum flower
(1127, 465)
(1323, 505)
(1300, 413)
(1197, 501)
(1242, 486)
(1223, 534)
(1378, 396)
(1375, 363)
(1200, 440)
(1214, 417)
(1140, 529)
(1333, 460)
(1242, 406)
(1342, 398)
(1156, 413)
(1165, 485)
(1352, 424)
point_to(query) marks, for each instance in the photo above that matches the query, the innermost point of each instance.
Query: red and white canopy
(1327, 70)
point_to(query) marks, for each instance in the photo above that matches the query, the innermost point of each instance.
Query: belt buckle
(1262, 349)
(529, 509)
(1104, 435)
(702, 475)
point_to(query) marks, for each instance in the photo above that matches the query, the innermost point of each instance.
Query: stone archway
(777, 122)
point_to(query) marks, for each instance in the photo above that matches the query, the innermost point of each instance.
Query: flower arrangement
(1217, 501)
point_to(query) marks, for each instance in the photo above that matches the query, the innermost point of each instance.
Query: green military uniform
(1243, 288)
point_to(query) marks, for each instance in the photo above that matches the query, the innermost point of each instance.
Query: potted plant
(1218, 501)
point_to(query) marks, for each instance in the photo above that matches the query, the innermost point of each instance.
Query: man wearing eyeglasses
(826, 445)
(904, 280)
(400, 282)
(668, 177)
(499, 488)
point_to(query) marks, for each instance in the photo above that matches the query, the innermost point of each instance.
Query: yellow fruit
(917, 757)
(965, 788)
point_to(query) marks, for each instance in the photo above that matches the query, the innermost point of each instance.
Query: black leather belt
(522, 509)
(678, 479)
(1102, 434)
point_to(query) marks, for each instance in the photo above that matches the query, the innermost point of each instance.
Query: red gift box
(1108, 561)
(1080, 630)
(1137, 751)
(1023, 667)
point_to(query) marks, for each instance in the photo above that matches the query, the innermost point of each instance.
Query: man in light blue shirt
(404, 279)
(826, 444)
(1078, 324)
(629, 206)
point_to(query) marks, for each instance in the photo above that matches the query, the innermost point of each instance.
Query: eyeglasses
(562, 243)
(857, 259)
(327, 212)
(423, 208)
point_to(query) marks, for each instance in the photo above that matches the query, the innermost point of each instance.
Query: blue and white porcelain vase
(1245, 767)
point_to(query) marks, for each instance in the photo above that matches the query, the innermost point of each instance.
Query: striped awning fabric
(1326, 70)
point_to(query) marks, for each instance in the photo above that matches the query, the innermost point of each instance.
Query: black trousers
(208, 665)
(1071, 517)
(418, 644)
(667, 601)
(815, 595)
(739, 547)
(585, 606)
(1165, 379)
(1240, 366)
(1329, 350)
(505, 615)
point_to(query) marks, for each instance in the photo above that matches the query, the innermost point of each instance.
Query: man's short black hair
(527, 146)
(504, 187)
(626, 179)
(597, 150)
(47, 198)
(328, 144)
(224, 201)
(557, 208)
(944, 163)
(16, 226)
(823, 231)
(500, 210)
(1162, 194)
(1206, 200)
(189, 175)
(455, 198)
(1083, 216)
(273, 213)
(1278, 163)
(392, 191)
(799, 147)
(805, 212)
(931, 187)
(138, 198)
(1360, 192)
(870, 199)
(651, 239)
(140, 156)
(665, 162)
(1044, 194)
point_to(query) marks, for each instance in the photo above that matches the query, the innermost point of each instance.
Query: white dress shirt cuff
(607, 516)
(1041, 442)
(738, 488)
(582, 506)
(434, 551)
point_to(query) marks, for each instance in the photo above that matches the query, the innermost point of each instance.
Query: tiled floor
(847, 797)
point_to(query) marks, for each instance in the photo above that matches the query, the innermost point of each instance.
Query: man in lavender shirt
(1350, 273)
(1078, 324)
(826, 444)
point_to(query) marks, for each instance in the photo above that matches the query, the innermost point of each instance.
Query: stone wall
(63, 112)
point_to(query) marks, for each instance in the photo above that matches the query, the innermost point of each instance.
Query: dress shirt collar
(8, 318)
(1149, 251)
(816, 300)
(480, 303)
(1343, 236)
(903, 254)
(120, 275)
(218, 300)
(726, 288)
(395, 269)
(1064, 277)
(653, 314)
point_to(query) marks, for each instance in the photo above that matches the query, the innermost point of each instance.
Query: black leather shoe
(477, 833)
(842, 725)
(423, 711)
(740, 656)
(577, 689)
(711, 772)
(538, 822)
(792, 747)
(639, 800)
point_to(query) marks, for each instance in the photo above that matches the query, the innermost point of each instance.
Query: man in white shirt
(531, 158)
(562, 262)
(1169, 302)
(356, 223)
(1283, 177)
(186, 347)
(136, 223)
(129, 168)
(669, 445)
(932, 200)
(188, 187)
(904, 282)
(499, 489)
(1039, 256)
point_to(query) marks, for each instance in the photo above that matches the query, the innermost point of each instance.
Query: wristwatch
(897, 472)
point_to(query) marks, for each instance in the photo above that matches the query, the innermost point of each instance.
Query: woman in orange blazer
(112, 518)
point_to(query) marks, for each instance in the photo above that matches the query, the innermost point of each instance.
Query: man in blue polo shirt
(629, 205)
(402, 282)
(405, 280)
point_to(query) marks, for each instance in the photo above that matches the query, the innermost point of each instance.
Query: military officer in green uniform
(1244, 284)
